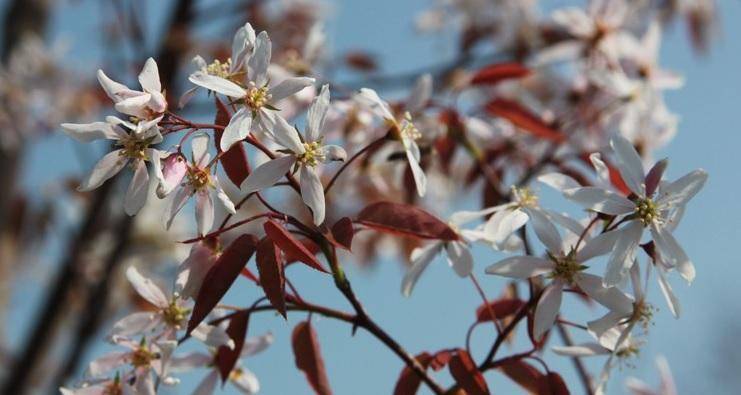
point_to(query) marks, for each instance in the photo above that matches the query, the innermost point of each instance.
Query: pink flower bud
(174, 168)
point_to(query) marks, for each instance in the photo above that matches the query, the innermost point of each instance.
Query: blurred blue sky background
(701, 346)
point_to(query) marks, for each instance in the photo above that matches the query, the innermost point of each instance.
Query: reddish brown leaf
(552, 384)
(220, 277)
(523, 119)
(343, 232)
(227, 358)
(466, 374)
(235, 159)
(496, 73)
(653, 178)
(290, 245)
(522, 373)
(405, 219)
(309, 357)
(361, 61)
(409, 381)
(270, 266)
(441, 359)
(615, 178)
(501, 308)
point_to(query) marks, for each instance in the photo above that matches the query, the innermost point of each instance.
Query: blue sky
(698, 346)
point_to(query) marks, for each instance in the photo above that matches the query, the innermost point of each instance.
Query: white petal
(421, 258)
(672, 253)
(193, 270)
(420, 94)
(106, 363)
(679, 192)
(107, 167)
(136, 194)
(603, 172)
(317, 113)
(601, 200)
(289, 87)
(199, 149)
(622, 256)
(208, 385)
(666, 289)
(237, 129)
(223, 197)
(463, 217)
(146, 288)
(597, 246)
(204, 212)
(149, 78)
(217, 84)
(603, 324)
(547, 309)
(135, 324)
(256, 345)
(611, 297)
(505, 222)
(460, 258)
(581, 350)
(246, 382)
(267, 174)
(420, 180)
(370, 98)
(558, 181)
(190, 361)
(212, 336)
(242, 46)
(116, 91)
(545, 230)
(87, 132)
(521, 267)
(312, 193)
(136, 105)
(286, 135)
(260, 60)
(630, 164)
(176, 204)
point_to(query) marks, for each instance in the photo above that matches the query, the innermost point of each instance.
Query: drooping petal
(289, 87)
(116, 91)
(459, 258)
(204, 212)
(287, 136)
(146, 288)
(420, 179)
(317, 113)
(505, 222)
(312, 193)
(630, 164)
(370, 98)
(545, 230)
(267, 174)
(149, 78)
(242, 46)
(671, 252)
(260, 60)
(611, 297)
(87, 132)
(237, 129)
(217, 84)
(223, 197)
(602, 325)
(581, 350)
(521, 267)
(666, 289)
(107, 167)
(621, 258)
(136, 194)
(601, 200)
(421, 258)
(547, 309)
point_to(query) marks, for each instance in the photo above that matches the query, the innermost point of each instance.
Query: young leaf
(292, 247)
(409, 381)
(220, 277)
(498, 72)
(552, 384)
(270, 266)
(235, 159)
(466, 374)
(405, 219)
(502, 309)
(523, 119)
(309, 357)
(653, 178)
(227, 358)
(343, 232)
(522, 373)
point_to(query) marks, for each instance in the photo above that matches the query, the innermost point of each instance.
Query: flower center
(628, 351)
(142, 356)
(643, 314)
(567, 267)
(312, 155)
(407, 129)
(257, 97)
(114, 388)
(174, 315)
(199, 178)
(646, 211)
(524, 197)
(134, 148)
(219, 69)
(236, 374)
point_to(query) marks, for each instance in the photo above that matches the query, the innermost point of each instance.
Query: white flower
(305, 153)
(259, 99)
(104, 386)
(403, 129)
(565, 266)
(666, 386)
(243, 379)
(148, 104)
(199, 182)
(654, 205)
(134, 141)
(458, 252)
